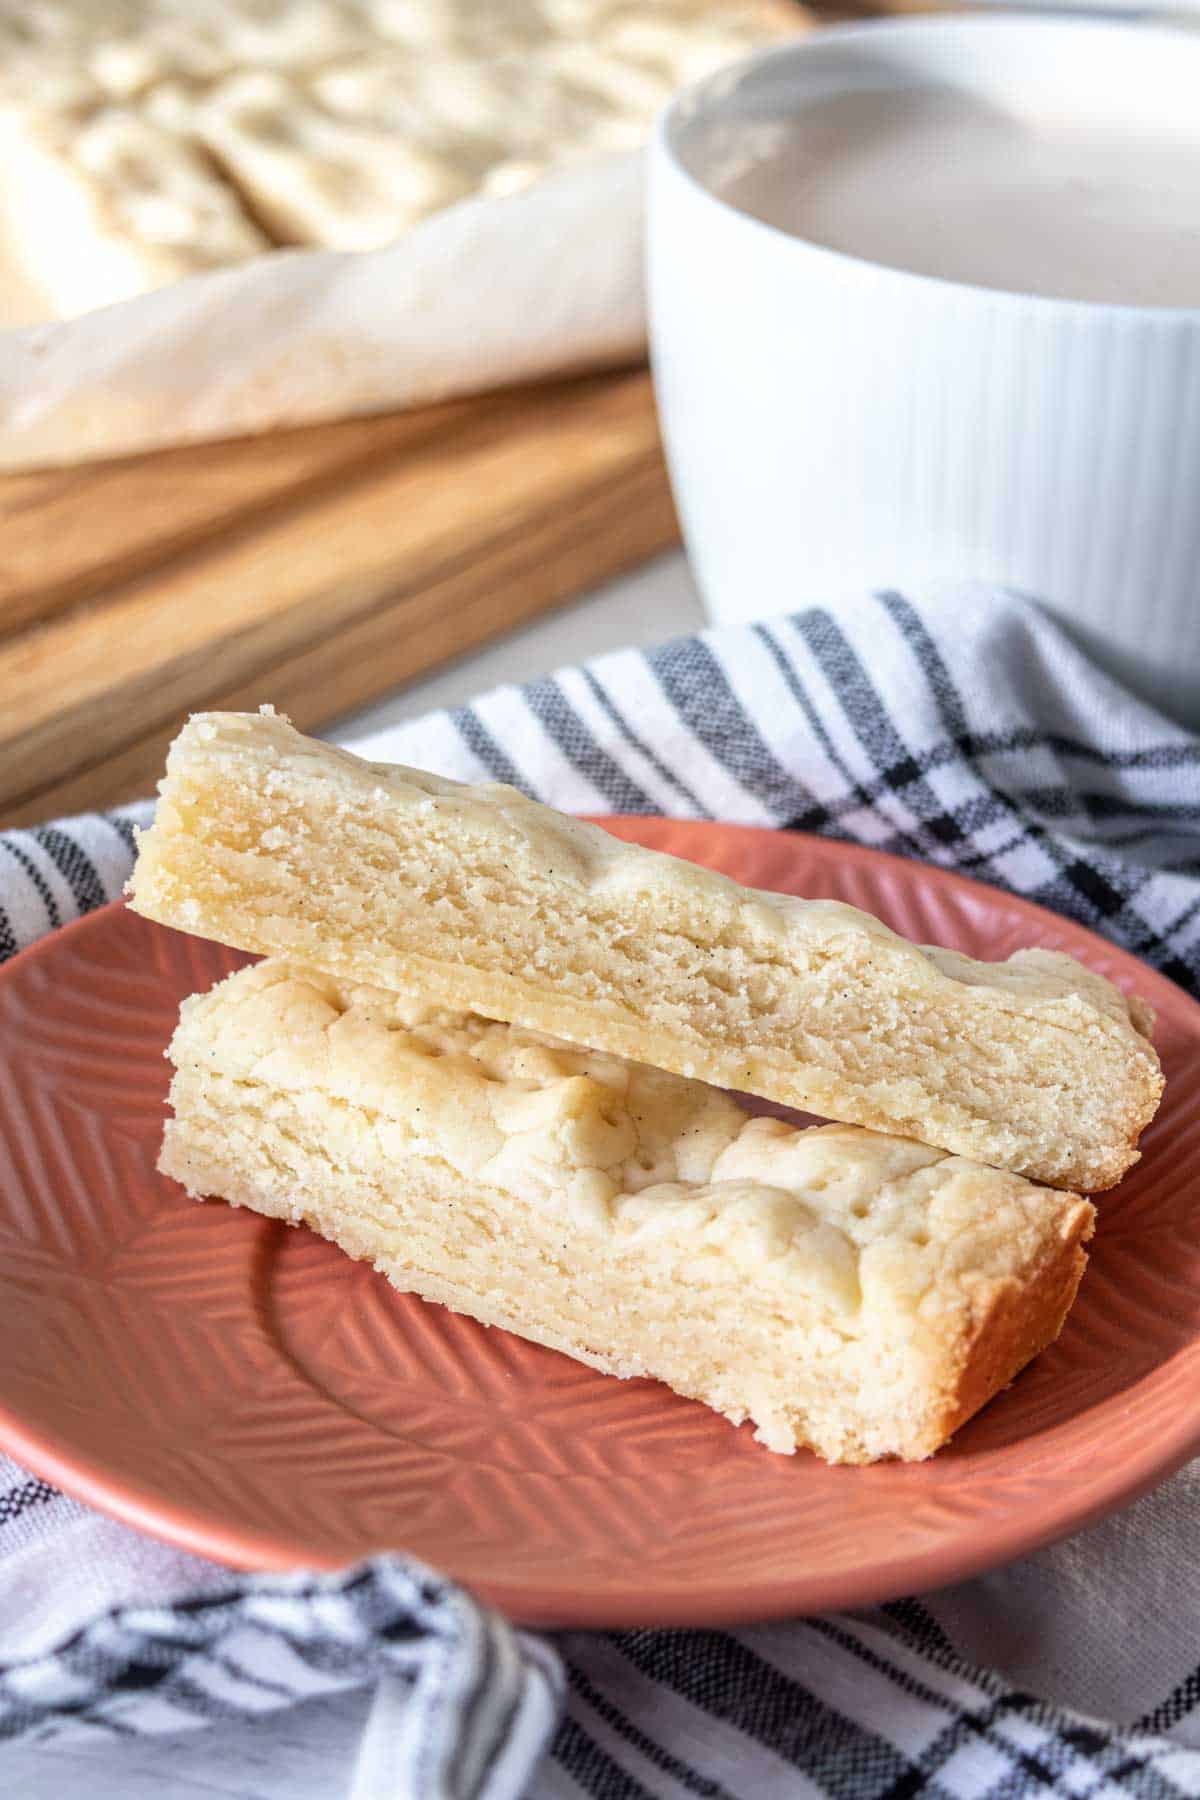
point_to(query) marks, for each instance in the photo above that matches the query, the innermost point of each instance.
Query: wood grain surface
(317, 569)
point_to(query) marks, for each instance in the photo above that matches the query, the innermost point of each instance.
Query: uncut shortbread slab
(145, 139)
(856, 1293)
(483, 900)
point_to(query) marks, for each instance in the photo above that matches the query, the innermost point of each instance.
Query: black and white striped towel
(960, 728)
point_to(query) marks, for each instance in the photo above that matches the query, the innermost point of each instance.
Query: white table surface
(307, 1752)
(657, 601)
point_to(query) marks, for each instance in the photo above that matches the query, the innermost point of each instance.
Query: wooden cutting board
(316, 569)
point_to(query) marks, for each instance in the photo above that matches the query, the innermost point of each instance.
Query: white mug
(835, 425)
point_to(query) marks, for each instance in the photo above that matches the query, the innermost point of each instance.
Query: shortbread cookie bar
(856, 1293)
(480, 899)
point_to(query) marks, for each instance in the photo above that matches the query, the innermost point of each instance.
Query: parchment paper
(488, 293)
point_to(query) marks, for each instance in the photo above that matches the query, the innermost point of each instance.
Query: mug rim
(1166, 34)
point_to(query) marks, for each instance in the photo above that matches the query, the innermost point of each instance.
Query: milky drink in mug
(925, 308)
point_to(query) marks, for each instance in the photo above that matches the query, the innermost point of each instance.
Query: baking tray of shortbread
(240, 216)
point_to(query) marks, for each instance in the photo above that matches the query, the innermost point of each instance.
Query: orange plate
(247, 1391)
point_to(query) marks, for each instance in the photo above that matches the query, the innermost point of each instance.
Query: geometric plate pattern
(245, 1390)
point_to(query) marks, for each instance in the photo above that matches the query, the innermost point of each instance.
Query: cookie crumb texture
(481, 899)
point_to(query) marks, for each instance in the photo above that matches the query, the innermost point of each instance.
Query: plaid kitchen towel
(962, 728)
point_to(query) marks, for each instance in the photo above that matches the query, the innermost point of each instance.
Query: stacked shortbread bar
(487, 1052)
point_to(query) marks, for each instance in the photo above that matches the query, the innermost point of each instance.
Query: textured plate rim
(120, 1495)
(531, 1603)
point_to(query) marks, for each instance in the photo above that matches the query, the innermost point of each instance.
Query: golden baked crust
(479, 898)
(857, 1293)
